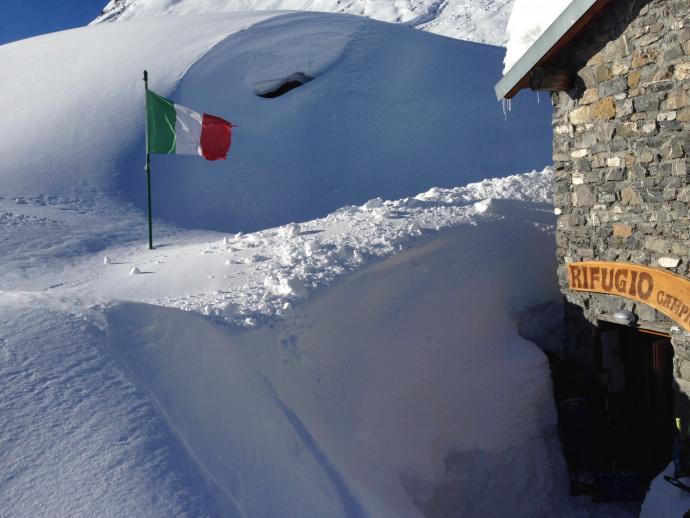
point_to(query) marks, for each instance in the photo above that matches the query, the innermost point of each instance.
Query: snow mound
(390, 111)
(351, 388)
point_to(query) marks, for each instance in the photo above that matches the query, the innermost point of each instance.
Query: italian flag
(172, 128)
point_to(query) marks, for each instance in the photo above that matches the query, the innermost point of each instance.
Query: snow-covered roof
(564, 28)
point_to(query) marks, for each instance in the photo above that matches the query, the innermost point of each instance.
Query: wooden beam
(545, 79)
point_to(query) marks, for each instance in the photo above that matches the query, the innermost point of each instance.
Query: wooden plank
(664, 291)
(546, 79)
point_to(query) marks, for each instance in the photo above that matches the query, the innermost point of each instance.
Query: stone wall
(622, 158)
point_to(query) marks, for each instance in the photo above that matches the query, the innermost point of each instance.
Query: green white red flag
(172, 128)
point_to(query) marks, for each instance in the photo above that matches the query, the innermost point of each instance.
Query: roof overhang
(564, 28)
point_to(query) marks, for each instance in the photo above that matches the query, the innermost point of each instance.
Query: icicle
(538, 99)
(505, 103)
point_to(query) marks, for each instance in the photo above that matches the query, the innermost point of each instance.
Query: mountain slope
(481, 21)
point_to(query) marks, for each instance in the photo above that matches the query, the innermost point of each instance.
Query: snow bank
(243, 279)
(528, 20)
(385, 385)
(378, 134)
(79, 438)
(403, 388)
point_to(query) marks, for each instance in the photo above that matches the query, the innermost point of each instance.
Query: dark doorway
(635, 368)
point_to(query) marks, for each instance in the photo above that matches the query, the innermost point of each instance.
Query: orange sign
(662, 290)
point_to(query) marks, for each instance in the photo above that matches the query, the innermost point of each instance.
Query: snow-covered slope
(391, 112)
(481, 21)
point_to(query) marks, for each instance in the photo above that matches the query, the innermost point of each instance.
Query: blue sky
(21, 19)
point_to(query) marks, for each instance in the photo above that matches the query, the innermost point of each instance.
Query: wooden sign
(662, 290)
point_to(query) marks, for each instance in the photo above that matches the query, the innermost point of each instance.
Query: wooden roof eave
(564, 28)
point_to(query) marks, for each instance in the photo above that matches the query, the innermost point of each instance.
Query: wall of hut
(622, 162)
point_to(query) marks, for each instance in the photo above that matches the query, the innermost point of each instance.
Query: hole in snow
(277, 87)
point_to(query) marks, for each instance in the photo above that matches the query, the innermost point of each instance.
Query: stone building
(619, 76)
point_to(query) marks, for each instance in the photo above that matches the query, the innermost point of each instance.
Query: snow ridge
(481, 21)
(281, 266)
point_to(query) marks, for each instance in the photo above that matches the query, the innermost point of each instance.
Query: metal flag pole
(148, 162)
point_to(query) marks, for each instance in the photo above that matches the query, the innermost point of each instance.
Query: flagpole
(148, 162)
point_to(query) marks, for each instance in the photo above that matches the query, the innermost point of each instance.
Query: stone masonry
(622, 159)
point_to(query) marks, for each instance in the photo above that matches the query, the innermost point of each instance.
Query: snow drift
(344, 404)
(391, 112)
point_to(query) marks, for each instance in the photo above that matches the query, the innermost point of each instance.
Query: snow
(481, 21)
(415, 132)
(528, 20)
(343, 319)
(289, 261)
(664, 499)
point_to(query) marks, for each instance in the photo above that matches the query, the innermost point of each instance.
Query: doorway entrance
(635, 368)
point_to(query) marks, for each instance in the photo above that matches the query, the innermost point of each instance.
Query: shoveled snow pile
(251, 278)
(528, 20)
(398, 388)
(481, 21)
(334, 322)
(343, 400)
